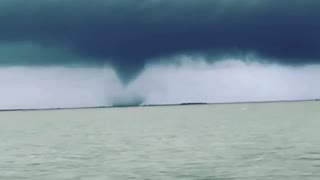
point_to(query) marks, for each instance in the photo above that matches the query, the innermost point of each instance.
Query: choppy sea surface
(258, 141)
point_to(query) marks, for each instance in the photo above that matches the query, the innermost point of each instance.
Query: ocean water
(258, 141)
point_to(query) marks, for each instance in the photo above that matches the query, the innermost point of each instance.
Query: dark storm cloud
(132, 31)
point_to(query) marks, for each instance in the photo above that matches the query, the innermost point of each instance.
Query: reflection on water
(235, 141)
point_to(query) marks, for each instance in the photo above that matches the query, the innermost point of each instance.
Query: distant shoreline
(160, 105)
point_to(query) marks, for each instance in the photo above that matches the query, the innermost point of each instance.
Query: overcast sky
(128, 33)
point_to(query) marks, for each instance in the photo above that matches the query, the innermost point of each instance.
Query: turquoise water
(231, 141)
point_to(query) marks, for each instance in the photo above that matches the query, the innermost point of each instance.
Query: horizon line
(158, 105)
